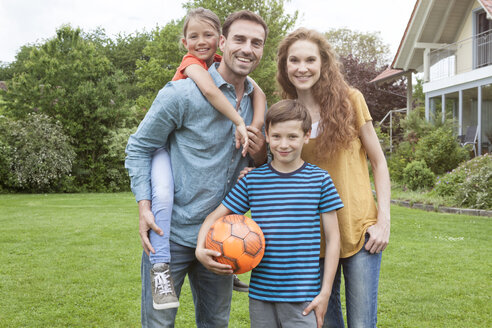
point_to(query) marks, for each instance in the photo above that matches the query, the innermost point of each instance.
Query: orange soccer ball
(240, 241)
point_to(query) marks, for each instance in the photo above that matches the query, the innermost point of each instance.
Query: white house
(450, 42)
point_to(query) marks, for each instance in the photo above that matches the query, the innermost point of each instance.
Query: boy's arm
(207, 86)
(332, 254)
(259, 105)
(204, 255)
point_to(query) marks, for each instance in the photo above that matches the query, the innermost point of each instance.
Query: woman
(341, 140)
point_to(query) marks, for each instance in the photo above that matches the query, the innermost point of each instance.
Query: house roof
(432, 24)
(487, 5)
(387, 75)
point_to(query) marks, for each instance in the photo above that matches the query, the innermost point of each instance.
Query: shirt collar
(219, 80)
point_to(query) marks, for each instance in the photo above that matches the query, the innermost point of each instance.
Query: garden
(429, 166)
(73, 260)
(69, 244)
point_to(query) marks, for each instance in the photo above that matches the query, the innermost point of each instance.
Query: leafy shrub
(475, 191)
(415, 125)
(41, 152)
(417, 175)
(440, 150)
(6, 176)
(403, 155)
(116, 175)
(470, 184)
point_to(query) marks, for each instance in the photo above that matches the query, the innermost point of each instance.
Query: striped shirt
(286, 206)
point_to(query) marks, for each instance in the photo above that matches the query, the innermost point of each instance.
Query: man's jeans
(212, 293)
(361, 275)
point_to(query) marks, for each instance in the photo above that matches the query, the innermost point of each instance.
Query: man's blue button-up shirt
(200, 141)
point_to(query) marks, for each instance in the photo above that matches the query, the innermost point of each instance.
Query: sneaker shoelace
(162, 282)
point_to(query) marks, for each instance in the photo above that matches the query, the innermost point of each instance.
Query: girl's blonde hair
(202, 14)
(337, 119)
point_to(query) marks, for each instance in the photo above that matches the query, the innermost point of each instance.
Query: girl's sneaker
(163, 294)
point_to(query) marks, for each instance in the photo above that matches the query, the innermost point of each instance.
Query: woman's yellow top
(349, 172)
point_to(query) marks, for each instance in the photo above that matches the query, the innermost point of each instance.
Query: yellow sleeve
(360, 107)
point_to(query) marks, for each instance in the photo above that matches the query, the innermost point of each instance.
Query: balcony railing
(462, 56)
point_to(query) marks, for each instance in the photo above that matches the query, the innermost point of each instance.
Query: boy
(286, 198)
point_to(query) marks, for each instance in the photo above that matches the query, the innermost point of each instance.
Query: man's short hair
(288, 110)
(243, 15)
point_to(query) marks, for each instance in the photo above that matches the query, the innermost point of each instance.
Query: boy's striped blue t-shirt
(287, 208)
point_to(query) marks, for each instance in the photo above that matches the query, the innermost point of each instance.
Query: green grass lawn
(73, 260)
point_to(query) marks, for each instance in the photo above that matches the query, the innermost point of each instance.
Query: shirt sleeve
(237, 200)
(163, 117)
(187, 60)
(360, 107)
(329, 200)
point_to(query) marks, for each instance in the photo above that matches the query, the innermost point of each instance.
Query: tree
(379, 99)
(69, 79)
(124, 51)
(366, 46)
(161, 57)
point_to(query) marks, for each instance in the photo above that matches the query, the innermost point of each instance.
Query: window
(483, 40)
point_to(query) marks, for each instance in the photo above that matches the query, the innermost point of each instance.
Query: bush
(415, 125)
(440, 150)
(40, 152)
(117, 178)
(6, 176)
(470, 184)
(417, 175)
(403, 155)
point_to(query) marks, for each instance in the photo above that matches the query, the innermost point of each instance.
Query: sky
(32, 21)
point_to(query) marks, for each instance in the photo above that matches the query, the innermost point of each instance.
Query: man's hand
(319, 304)
(206, 257)
(244, 171)
(146, 221)
(257, 145)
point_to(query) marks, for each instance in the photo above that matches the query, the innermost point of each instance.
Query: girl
(342, 136)
(201, 31)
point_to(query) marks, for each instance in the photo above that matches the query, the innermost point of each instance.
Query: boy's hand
(242, 138)
(146, 221)
(206, 257)
(319, 304)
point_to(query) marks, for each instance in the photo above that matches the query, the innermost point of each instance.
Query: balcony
(461, 57)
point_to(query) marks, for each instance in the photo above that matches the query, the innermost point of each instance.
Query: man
(205, 166)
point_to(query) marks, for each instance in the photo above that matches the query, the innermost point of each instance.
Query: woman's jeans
(361, 274)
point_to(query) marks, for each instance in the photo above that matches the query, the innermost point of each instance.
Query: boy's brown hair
(288, 110)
